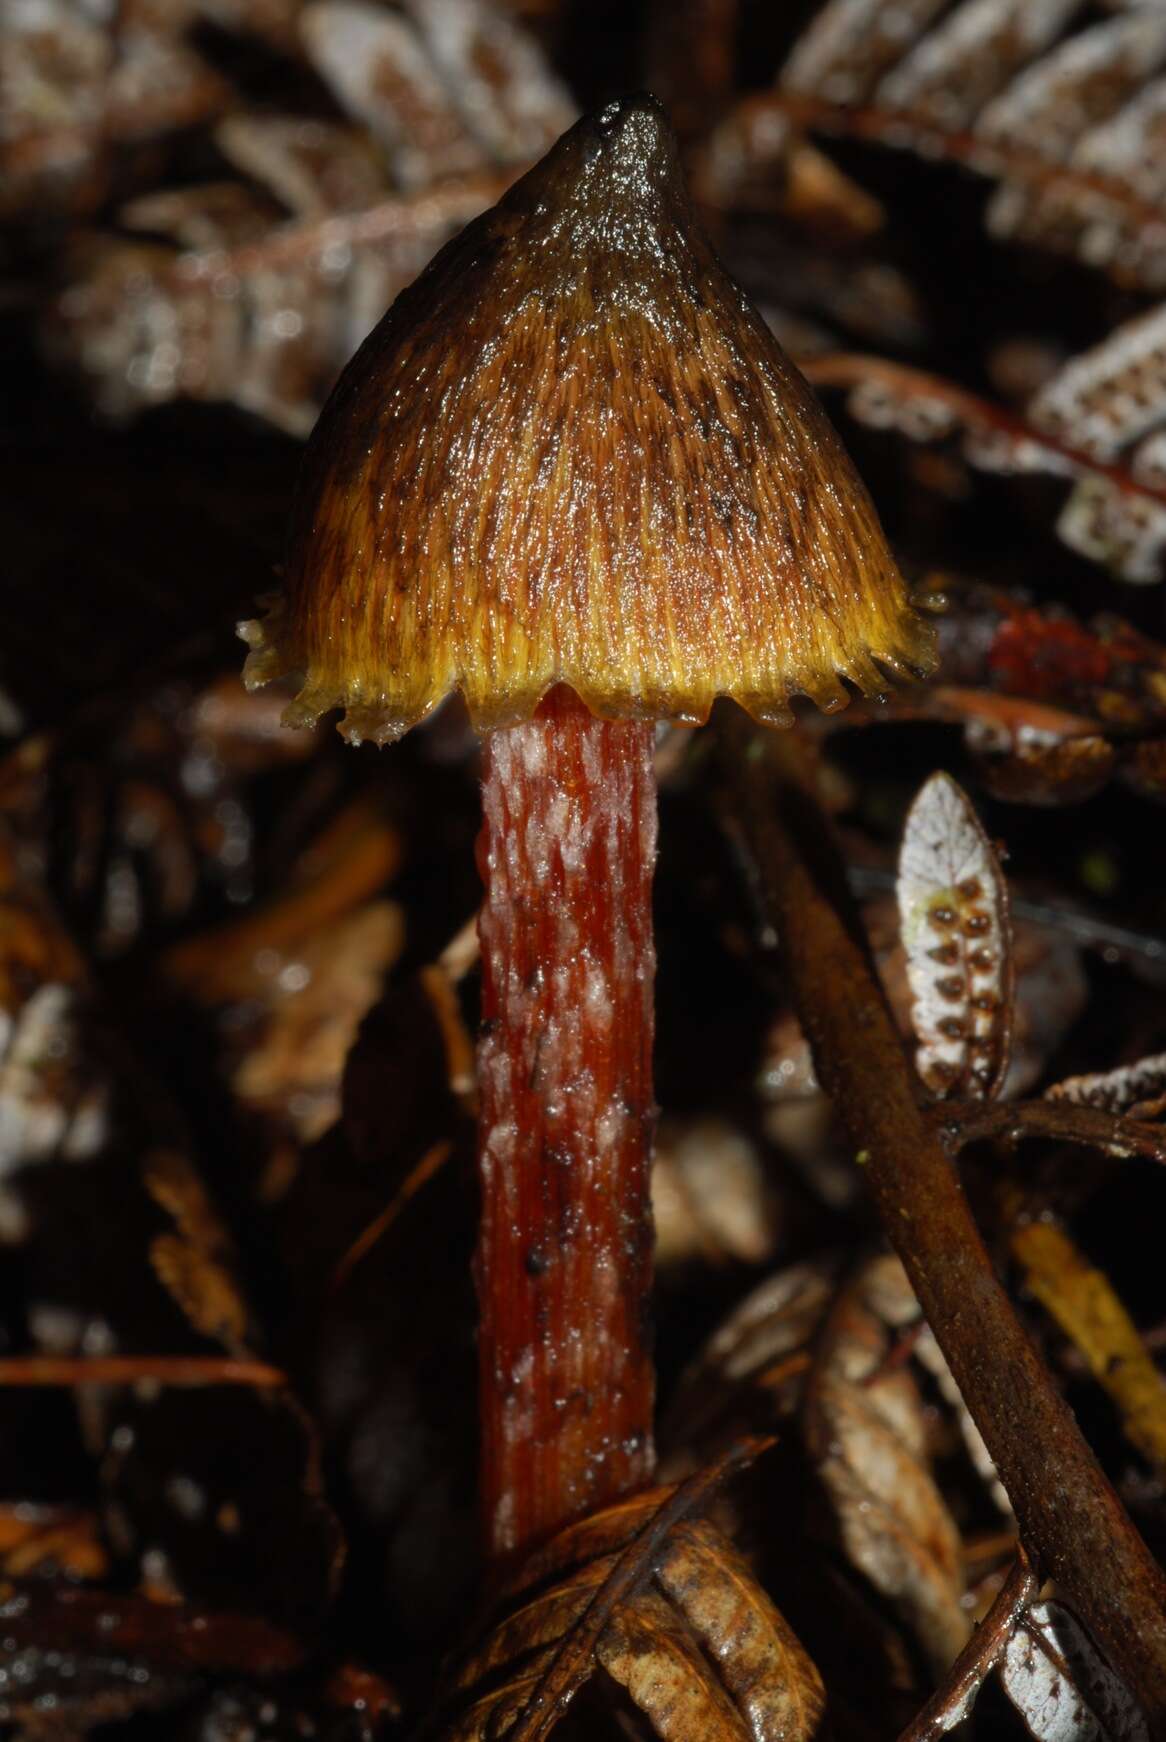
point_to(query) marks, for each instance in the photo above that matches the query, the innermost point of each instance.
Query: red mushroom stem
(564, 1261)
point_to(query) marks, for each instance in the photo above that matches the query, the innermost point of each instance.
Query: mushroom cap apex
(572, 452)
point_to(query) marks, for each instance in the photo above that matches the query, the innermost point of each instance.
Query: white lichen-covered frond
(953, 908)
(1139, 1087)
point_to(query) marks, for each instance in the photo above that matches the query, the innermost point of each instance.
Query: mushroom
(572, 474)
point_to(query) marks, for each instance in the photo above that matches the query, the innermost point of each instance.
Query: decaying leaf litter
(239, 1323)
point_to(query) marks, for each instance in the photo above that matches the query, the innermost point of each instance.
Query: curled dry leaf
(293, 980)
(953, 904)
(797, 1340)
(1061, 1685)
(1138, 1089)
(865, 1429)
(664, 1604)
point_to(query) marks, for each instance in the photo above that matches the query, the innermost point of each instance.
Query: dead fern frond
(257, 290)
(1071, 127)
(1100, 421)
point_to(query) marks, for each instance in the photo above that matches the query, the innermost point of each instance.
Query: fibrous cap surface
(572, 452)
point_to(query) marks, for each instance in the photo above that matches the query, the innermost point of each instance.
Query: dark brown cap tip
(572, 452)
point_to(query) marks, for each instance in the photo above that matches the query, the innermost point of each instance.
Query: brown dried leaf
(197, 1263)
(1061, 1685)
(865, 1428)
(293, 1066)
(203, 1289)
(756, 161)
(657, 1600)
(295, 977)
(51, 1542)
(953, 905)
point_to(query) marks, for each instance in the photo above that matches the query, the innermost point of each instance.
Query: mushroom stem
(564, 1260)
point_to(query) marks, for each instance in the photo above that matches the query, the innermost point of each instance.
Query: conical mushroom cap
(572, 452)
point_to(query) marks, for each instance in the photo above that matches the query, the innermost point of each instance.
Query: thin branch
(958, 1123)
(952, 1700)
(431, 1163)
(171, 1636)
(1069, 1515)
(179, 1370)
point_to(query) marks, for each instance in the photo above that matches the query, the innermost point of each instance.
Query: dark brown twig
(1070, 1518)
(957, 1124)
(952, 1700)
(183, 1370)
